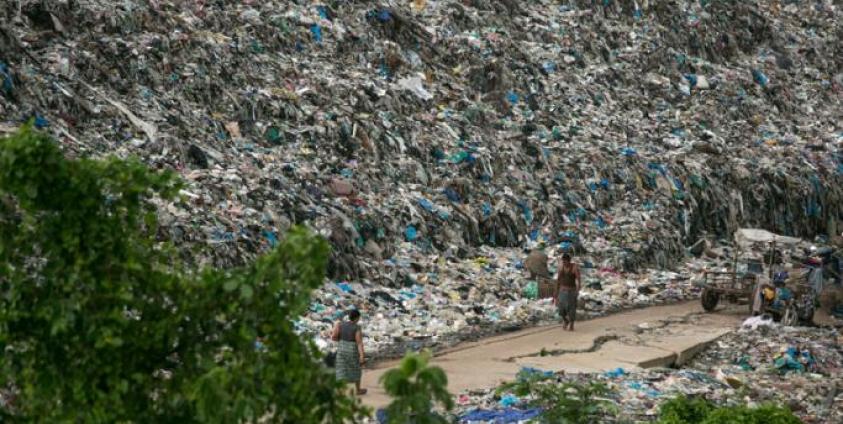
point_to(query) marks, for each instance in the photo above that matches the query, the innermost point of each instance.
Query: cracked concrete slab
(596, 345)
(642, 338)
(612, 355)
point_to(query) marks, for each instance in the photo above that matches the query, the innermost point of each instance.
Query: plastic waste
(531, 290)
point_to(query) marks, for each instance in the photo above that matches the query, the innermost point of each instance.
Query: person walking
(568, 286)
(350, 355)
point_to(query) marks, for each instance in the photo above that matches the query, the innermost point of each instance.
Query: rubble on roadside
(748, 366)
(451, 302)
(431, 142)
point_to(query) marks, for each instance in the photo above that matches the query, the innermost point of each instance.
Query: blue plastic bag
(452, 195)
(629, 152)
(411, 233)
(426, 204)
(316, 30)
(8, 83)
(615, 373)
(508, 400)
(760, 78)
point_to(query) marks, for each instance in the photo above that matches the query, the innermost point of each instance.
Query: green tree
(99, 322)
(416, 389)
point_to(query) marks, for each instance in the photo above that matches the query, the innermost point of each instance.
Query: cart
(730, 286)
(799, 308)
(547, 287)
(740, 284)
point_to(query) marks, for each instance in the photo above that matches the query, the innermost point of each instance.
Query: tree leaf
(230, 285)
(246, 292)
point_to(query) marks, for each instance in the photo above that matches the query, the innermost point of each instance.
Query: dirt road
(656, 336)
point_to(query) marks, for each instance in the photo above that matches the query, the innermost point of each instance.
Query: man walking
(568, 286)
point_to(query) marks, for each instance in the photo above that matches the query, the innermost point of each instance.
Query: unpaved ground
(656, 336)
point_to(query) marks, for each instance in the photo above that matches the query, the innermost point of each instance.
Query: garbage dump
(432, 141)
(799, 367)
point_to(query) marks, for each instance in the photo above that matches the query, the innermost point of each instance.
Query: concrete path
(643, 338)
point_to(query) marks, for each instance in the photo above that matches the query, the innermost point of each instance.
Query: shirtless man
(568, 284)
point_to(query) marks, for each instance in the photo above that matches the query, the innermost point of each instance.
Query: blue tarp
(500, 416)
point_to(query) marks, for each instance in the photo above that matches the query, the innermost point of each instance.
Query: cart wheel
(790, 316)
(709, 299)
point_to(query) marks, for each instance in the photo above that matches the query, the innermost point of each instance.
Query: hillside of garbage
(432, 141)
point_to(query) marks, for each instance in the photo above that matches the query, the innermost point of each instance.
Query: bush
(683, 410)
(416, 389)
(562, 402)
(765, 414)
(99, 322)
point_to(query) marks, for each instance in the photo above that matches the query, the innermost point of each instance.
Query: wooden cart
(730, 286)
(547, 287)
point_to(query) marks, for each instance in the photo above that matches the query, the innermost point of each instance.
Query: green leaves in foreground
(416, 388)
(100, 322)
(683, 410)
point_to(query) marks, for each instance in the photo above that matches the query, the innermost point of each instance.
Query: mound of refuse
(434, 140)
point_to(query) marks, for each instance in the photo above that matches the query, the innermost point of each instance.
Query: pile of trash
(448, 300)
(453, 301)
(431, 141)
(799, 367)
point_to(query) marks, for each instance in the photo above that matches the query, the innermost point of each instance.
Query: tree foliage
(416, 389)
(100, 323)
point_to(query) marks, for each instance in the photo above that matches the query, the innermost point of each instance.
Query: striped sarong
(348, 362)
(567, 305)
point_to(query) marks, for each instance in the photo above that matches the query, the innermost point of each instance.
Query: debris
(736, 369)
(516, 123)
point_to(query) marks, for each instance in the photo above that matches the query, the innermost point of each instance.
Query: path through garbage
(622, 340)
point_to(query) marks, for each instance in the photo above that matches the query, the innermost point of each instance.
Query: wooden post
(735, 266)
(772, 257)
